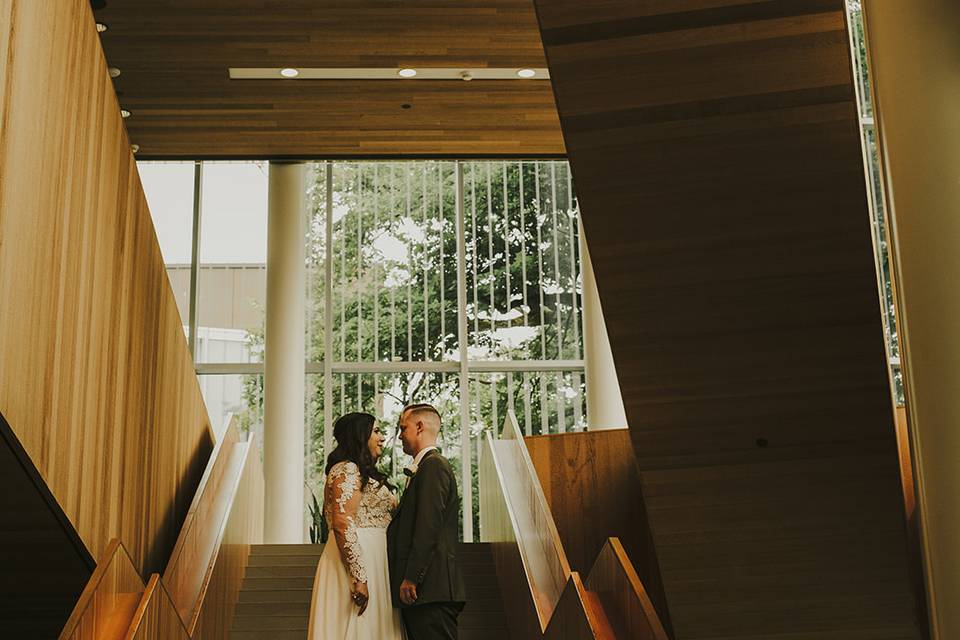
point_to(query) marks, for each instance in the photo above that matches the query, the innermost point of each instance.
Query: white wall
(915, 56)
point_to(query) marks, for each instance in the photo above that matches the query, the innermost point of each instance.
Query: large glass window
(232, 285)
(875, 191)
(169, 190)
(391, 317)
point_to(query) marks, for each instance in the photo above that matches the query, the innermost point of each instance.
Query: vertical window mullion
(328, 315)
(466, 465)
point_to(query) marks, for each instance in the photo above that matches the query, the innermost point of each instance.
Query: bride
(351, 591)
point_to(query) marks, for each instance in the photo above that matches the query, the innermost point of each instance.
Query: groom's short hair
(421, 407)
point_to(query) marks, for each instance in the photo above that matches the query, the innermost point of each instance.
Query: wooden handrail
(109, 599)
(116, 604)
(618, 588)
(516, 517)
(156, 616)
(195, 554)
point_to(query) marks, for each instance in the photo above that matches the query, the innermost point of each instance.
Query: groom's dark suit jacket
(422, 538)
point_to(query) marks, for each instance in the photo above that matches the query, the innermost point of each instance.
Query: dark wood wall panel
(592, 484)
(175, 56)
(716, 154)
(96, 379)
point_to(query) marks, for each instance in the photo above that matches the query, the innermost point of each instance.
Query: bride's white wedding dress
(358, 519)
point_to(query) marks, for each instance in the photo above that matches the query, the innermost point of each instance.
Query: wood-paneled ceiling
(174, 57)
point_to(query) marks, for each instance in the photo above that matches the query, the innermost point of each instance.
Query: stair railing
(193, 561)
(109, 599)
(198, 592)
(543, 595)
(516, 519)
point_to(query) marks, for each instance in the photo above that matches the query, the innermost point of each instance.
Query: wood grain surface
(175, 58)
(109, 600)
(96, 380)
(592, 484)
(156, 616)
(622, 595)
(715, 148)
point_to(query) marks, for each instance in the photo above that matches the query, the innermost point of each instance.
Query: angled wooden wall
(715, 149)
(95, 377)
(592, 484)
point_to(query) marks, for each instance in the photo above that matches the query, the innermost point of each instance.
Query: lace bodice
(348, 508)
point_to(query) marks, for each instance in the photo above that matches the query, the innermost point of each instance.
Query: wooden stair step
(281, 571)
(278, 560)
(300, 608)
(255, 596)
(273, 623)
(286, 550)
(288, 582)
(269, 634)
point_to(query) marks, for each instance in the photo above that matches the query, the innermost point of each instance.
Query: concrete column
(604, 402)
(285, 354)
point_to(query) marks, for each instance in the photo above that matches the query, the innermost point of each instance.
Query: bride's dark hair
(352, 432)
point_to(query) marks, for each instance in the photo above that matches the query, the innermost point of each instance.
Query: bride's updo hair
(352, 432)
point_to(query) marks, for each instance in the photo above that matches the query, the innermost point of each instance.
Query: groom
(425, 576)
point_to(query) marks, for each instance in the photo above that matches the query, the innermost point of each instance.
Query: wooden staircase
(275, 597)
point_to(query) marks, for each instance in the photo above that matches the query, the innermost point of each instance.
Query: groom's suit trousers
(434, 621)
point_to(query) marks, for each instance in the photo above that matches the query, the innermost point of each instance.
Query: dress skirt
(333, 615)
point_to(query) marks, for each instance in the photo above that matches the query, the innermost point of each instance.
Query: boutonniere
(411, 469)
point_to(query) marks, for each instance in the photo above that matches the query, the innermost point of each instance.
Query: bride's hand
(360, 596)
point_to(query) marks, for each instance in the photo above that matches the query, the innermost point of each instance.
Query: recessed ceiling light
(101, 27)
(124, 113)
(407, 73)
(289, 72)
(114, 72)
(526, 73)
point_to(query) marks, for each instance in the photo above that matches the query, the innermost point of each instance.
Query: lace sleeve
(344, 481)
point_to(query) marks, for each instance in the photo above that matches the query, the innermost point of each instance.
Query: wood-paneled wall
(96, 379)
(592, 485)
(715, 148)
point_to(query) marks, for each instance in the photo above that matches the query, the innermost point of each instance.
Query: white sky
(234, 210)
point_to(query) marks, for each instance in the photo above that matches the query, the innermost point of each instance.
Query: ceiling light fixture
(526, 73)
(407, 73)
(467, 76)
(114, 72)
(289, 72)
(124, 113)
(134, 148)
(101, 27)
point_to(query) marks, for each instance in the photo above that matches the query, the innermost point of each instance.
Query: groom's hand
(408, 592)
